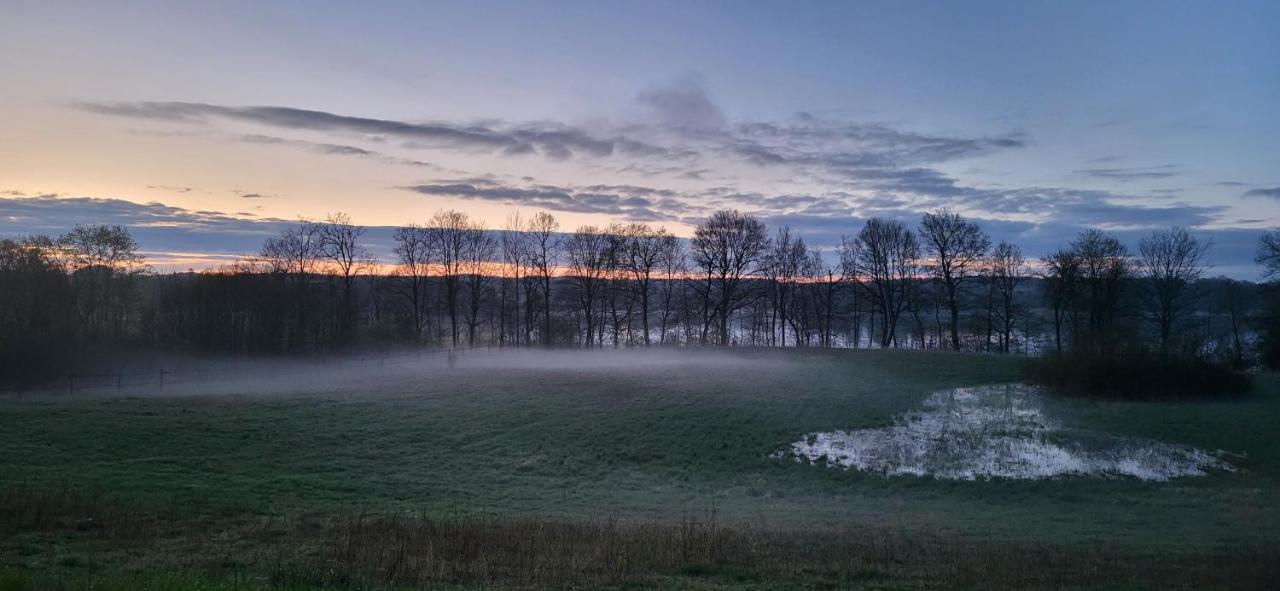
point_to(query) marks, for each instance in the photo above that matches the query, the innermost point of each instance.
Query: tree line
(452, 282)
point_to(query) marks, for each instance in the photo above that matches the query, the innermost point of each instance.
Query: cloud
(173, 189)
(699, 129)
(552, 140)
(820, 173)
(757, 154)
(1272, 192)
(1131, 174)
(690, 129)
(155, 225)
(173, 236)
(331, 149)
(635, 203)
(683, 104)
(895, 193)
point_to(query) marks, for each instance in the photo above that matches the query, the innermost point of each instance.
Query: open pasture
(626, 453)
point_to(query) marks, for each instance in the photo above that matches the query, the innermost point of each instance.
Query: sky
(206, 127)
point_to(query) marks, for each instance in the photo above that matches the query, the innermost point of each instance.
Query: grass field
(648, 469)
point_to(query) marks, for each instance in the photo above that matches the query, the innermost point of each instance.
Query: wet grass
(582, 448)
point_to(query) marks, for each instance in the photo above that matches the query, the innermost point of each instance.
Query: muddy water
(998, 432)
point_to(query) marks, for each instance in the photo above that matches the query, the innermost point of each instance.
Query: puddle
(998, 432)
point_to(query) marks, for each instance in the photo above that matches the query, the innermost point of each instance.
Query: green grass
(636, 445)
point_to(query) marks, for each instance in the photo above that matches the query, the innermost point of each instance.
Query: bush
(1136, 374)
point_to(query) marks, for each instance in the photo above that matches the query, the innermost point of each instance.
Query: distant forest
(315, 289)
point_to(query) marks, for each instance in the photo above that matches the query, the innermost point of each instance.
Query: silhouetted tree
(514, 257)
(543, 255)
(644, 249)
(1061, 274)
(1268, 254)
(783, 266)
(588, 251)
(478, 267)
(1237, 299)
(886, 255)
(447, 236)
(1170, 263)
(1007, 273)
(104, 264)
(956, 246)
(1104, 267)
(340, 247)
(673, 268)
(413, 255)
(727, 247)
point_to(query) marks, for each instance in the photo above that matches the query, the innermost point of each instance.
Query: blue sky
(1039, 119)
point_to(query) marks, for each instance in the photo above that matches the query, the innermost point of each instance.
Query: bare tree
(645, 248)
(339, 246)
(673, 268)
(1170, 262)
(1237, 299)
(886, 255)
(544, 254)
(728, 247)
(1104, 267)
(1061, 274)
(619, 290)
(413, 253)
(447, 236)
(826, 285)
(103, 247)
(514, 257)
(296, 251)
(478, 253)
(956, 246)
(104, 262)
(850, 255)
(1007, 272)
(1268, 254)
(588, 251)
(783, 265)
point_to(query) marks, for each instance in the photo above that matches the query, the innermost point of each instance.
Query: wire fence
(233, 370)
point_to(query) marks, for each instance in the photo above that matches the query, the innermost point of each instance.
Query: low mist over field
(371, 373)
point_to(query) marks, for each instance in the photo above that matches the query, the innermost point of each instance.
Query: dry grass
(395, 551)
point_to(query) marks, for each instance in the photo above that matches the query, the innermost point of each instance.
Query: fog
(176, 375)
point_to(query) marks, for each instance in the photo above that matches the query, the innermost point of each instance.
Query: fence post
(162, 372)
(119, 379)
(71, 385)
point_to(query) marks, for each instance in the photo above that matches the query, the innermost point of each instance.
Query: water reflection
(998, 432)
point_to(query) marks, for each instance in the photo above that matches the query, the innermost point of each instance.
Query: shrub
(1136, 374)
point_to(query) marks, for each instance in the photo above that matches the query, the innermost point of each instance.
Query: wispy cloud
(636, 203)
(683, 104)
(1271, 192)
(553, 140)
(858, 169)
(251, 194)
(171, 188)
(1143, 173)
